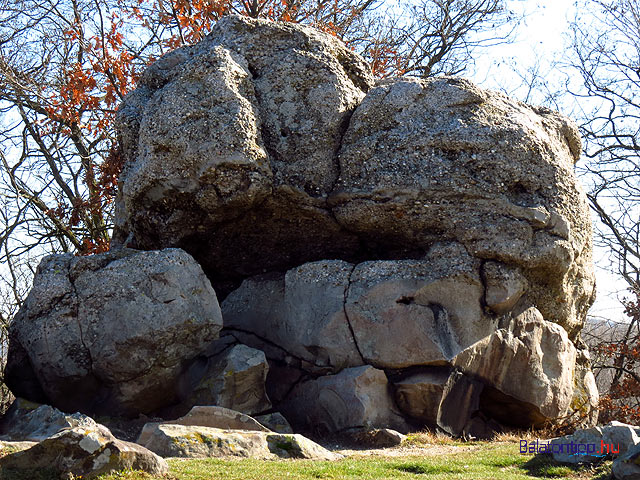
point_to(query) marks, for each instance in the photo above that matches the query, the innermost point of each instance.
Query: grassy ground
(433, 458)
(419, 458)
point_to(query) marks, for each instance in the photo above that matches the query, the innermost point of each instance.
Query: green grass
(487, 460)
(481, 460)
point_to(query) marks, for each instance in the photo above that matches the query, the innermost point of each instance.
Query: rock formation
(111, 333)
(389, 254)
(174, 440)
(69, 446)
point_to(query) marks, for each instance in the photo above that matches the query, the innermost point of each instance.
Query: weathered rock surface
(111, 333)
(275, 421)
(234, 379)
(207, 416)
(170, 440)
(84, 452)
(421, 161)
(302, 312)
(375, 438)
(30, 422)
(358, 397)
(459, 239)
(424, 160)
(332, 314)
(279, 132)
(419, 395)
(531, 360)
(432, 308)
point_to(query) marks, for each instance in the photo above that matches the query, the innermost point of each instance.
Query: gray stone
(585, 393)
(376, 438)
(30, 422)
(504, 286)
(84, 452)
(432, 307)
(234, 379)
(275, 421)
(627, 466)
(207, 416)
(448, 211)
(361, 172)
(424, 159)
(354, 398)
(328, 313)
(111, 333)
(170, 440)
(612, 440)
(460, 403)
(419, 395)
(302, 312)
(265, 143)
(532, 361)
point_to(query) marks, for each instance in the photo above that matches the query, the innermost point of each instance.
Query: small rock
(233, 379)
(627, 466)
(608, 441)
(377, 437)
(276, 422)
(84, 452)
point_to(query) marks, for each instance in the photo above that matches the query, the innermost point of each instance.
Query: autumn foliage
(101, 52)
(65, 65)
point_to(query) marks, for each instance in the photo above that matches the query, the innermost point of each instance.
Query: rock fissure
(270, 343)
(346, 313)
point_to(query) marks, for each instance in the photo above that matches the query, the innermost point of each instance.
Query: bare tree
(444, 35)
(605, 60)
(66, 64)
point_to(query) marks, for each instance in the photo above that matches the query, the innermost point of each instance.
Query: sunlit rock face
(420, 242)
(110, 334)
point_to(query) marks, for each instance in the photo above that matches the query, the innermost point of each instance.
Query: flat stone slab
(171, 440)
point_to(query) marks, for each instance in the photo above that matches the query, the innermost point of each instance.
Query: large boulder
(302, 312)
(424, 160)
(531, 361)
(412, 162)
(111, 333)
(366, 234)
(85, 452)
(202, 169)
(335, 315)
